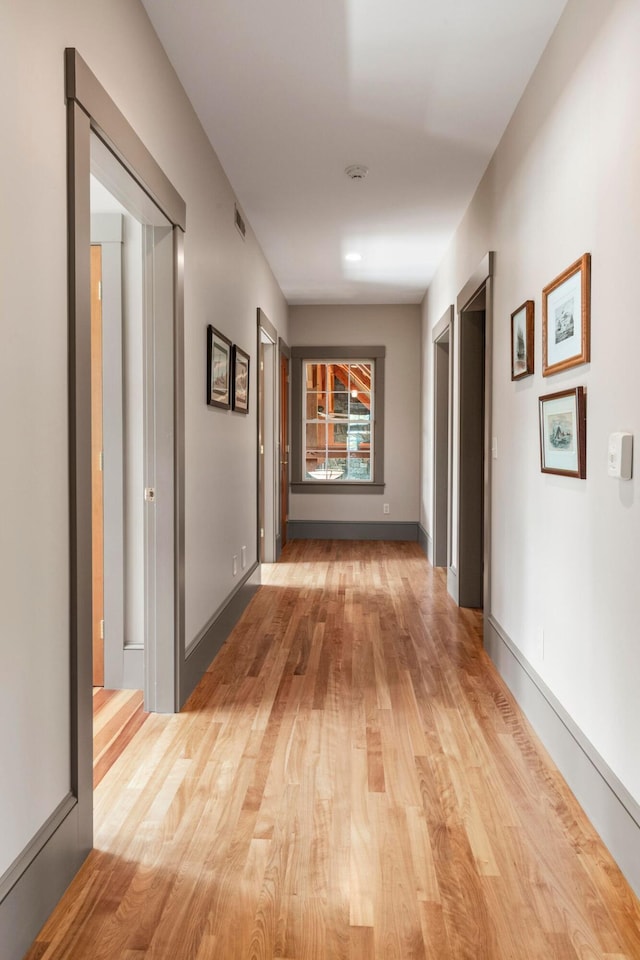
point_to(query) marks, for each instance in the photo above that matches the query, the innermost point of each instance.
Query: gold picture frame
(566, 318)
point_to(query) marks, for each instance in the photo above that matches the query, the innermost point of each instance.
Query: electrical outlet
(385, 508)
(243, 557)
(235, 564)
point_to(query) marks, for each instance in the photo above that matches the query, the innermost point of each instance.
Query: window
(338, 414)
(337, 406)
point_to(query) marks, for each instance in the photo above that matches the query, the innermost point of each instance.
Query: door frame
(284, 444)
(90, 109)
(442, 445)
(481, 278)
(267, 473)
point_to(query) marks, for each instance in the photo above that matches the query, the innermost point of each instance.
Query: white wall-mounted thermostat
(620, 458)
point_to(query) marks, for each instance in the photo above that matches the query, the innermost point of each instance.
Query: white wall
(397, 328)
(566, 553)
(226, 279)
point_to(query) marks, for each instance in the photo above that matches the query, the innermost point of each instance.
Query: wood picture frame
(218, 369)
(240, 380)
(522, 341)
(566, 318)
(563, 433)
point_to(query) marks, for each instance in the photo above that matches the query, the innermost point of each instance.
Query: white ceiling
(290, 92)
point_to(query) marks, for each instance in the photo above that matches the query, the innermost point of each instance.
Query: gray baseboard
(211, 638)
(612, 810)
(351, 530)
(425, 541)
(32, 886)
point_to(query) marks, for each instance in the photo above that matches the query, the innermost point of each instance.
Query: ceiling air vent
(357, 171)
(239, 222)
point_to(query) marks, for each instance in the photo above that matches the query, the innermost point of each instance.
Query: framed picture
(566, 318)
(240, 380)
(218, 369)
(522, 341)
(563, 433)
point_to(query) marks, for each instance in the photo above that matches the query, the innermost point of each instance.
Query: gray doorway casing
(442, 449)
(470, 582)
(91, 111)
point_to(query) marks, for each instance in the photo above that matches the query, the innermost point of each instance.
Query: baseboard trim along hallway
(352, 530)
(605, 800)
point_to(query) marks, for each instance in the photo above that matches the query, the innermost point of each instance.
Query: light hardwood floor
(350, 781)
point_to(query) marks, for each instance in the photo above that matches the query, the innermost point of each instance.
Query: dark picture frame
(563, 433)
(218, 369)
(522, 343)
(241, 365)
(566, 318)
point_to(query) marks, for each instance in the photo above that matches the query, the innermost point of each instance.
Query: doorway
(472, 537)
(130, 413)
(283, 446)
(268, 472)
(442, 350)
(471, 490)
(91, 112)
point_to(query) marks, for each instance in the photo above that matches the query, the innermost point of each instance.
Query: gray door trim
(481, 277)
(442, 440)
(283, 351)
(82, 87)
(444, 325)
(478, 278)
(79, 224)
(90, 109)
(268, 425)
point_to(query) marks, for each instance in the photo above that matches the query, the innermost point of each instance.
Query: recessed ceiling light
(353, 257)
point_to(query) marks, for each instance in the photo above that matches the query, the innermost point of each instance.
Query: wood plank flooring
(350, 781)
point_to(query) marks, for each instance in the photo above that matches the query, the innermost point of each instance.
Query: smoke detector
(356, 171)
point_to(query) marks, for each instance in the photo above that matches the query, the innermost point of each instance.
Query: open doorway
(473, 527)
(443, 353)
(471, 490)
(131, 352)
(283, 446)
(268, 472)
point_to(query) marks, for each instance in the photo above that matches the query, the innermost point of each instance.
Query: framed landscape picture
(218, 369)
(563, 433)
(566, 318)
(522, 341)
(240, 380)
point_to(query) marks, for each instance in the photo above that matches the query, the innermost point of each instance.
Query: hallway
(351, 780)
